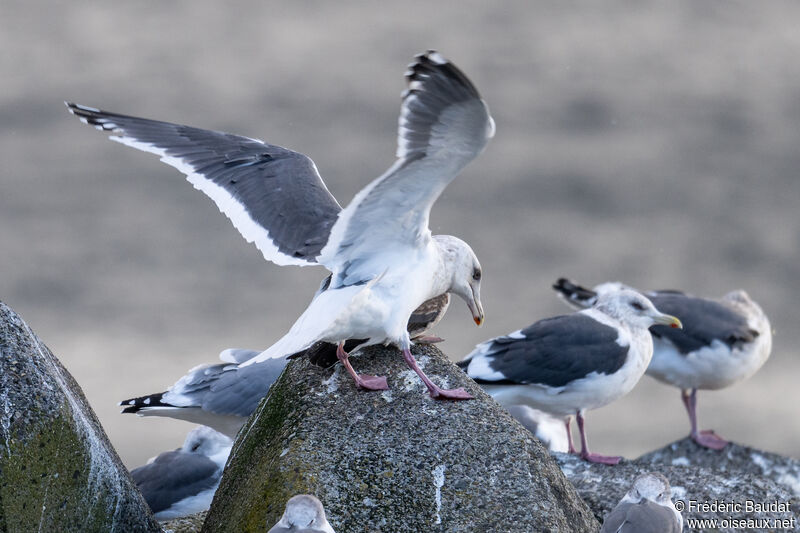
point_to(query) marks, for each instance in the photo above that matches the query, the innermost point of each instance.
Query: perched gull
(220, 395)
(383, 259)
(223, 395)
(304, 514)
(567, 364)
(646, 508)
(545, 427)
(724, 342)
(424, 317)
(183, 481)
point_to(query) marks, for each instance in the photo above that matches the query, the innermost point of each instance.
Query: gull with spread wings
(383, 260)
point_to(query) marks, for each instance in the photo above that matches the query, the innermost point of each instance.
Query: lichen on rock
(392, 462)
(58, 471)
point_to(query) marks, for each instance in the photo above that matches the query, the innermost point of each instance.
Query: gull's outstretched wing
(443, 125)
(274, 196)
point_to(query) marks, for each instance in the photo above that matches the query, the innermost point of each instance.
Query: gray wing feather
(428, 314)
(643, 517)
(173, 476)
(239, 392)
(443, 125)
(279, 190)
(703, 322)
(226, 389)
(556, 351)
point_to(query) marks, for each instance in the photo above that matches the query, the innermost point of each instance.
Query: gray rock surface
(392, 461)
(728, 479)
(58, 471)
(785, 471)
(186, 524)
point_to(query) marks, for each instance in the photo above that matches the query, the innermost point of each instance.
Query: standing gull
(383, 259)
(183, 481)
(567, 364)
(646, 508)
(304, 514)
(725, 341)
(424, 317)
(223, 395)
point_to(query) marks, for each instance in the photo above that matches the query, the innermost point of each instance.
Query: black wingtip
(134, 405)
(430, 64)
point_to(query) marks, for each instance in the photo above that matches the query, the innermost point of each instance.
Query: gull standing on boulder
(567, 364)
(223, 395)
(383, 259)
(725, 341)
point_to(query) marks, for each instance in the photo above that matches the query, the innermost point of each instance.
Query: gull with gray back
(183, 481)
(223, 395)
(381, 254)
(724, 341)
(646, 508)
(566, 365)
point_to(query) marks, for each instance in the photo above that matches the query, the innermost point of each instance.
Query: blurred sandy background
(657, 144)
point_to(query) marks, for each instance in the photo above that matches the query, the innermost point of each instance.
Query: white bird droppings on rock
(438, 482)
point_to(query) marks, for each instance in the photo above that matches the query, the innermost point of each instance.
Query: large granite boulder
(392, 461)
(58, 471)
(725, 486)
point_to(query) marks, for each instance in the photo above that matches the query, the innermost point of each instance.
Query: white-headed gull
(568, 364)
(383, 259)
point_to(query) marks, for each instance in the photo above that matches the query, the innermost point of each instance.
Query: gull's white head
(304, 512)
(205, 441)
(634, 309)
(651, 486)
(463, 273)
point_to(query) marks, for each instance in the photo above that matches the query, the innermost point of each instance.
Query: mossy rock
(58, 471)
(392, 461)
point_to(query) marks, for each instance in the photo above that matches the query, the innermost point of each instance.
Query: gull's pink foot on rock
(434, 390)
(601, 459)
(450, 394)
(709, 439)
(366, 381)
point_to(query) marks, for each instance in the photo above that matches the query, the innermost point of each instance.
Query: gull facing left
(383, 260)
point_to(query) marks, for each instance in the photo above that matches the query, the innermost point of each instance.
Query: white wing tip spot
(437, 58)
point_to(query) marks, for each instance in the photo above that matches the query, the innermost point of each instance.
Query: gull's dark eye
(476, 274)
(638, 306)
(195, 447)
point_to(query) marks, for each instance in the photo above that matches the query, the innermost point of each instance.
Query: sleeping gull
(223, 395)
(570, 363)
(646, 508)
(183, 481)
(304, 514)
(724, 341)
(383, 259)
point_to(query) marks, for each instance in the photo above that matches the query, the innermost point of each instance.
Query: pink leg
(433, 389)
(365, 381)
(568, 424)
(593, 457)
(707, 439)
